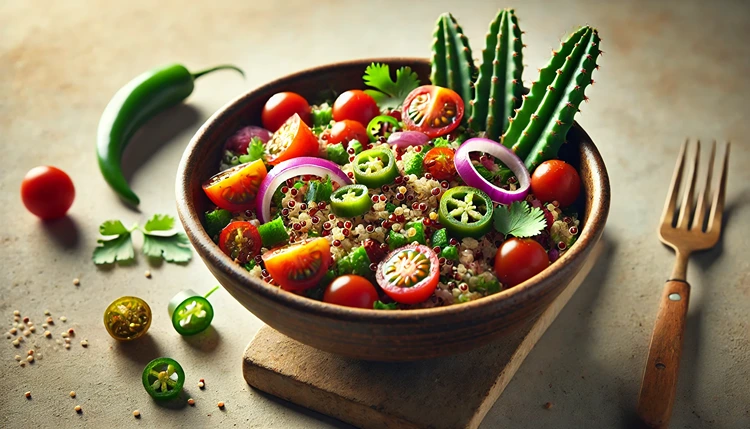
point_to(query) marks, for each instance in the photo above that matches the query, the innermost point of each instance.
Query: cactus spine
(546, 115)
(452, 63)
(499, 88)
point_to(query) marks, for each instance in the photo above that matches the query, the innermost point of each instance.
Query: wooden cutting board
(451, 392)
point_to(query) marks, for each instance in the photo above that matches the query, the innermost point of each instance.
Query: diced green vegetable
(216, 221)
(449, 252)
(487, 284)
(356, 145)
(441, 142)
(440, 238)
(322, 116)
(413, 163)
(390, 207)
(380, 305)
(464, 297)
(396, 240)
(356, 262)
(337, 153)
(419, 229)
(273, 233)
(250, 265)
(319, 190)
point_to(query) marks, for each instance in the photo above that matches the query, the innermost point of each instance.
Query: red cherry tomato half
(351, 291)
(433, 110)
(439, 162)
(47, 192)
(355, 105)
(299, 266)
(281, 107)
(240, 241)
(519, 259)
(556, 180)
(235, 189)
(292, 140)
(346, 131)
(410, 274)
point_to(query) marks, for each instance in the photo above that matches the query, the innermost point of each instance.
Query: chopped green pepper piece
(449, 252)
(322, 116)
(319, 190)
(337, 153)
(441, 142)
(419, 232)
(163, 378)
(396, 240)
(413, 163)
(216, 221)
(380, 305)
(273, 233)
(250, 265)
(440, 238)
(356, 145)
(488, 286)
(390, 207)
(360, 262)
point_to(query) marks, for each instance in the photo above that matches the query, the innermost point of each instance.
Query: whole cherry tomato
(47, 192)
(556, 180)
(347, 130)
(519, 259)
(351, 291)
(355, 105)
(282, 106)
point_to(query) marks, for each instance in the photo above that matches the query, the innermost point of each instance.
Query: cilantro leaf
(519, 220)
(159, 222)
(173, 248)
(112, 227)
(255, 150)
(380, 305)
(119, 249)
(387, 93)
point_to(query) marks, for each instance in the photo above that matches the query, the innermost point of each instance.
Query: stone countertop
(670, 70)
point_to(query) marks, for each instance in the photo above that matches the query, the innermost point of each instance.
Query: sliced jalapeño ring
(466, 212)
(375, 167)
(351, 200)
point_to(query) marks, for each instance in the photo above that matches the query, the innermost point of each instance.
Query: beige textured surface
(377, 395)
(671, 70)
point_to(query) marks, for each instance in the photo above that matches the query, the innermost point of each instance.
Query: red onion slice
(471, 177)
(404, 139)
(301, 166)
(240, 140)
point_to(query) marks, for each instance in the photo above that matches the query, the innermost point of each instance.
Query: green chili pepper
(190, 312)
(466, 212)
(449, 252)
(273, 233)
(440, 238)
(396, 240)
(351, 200)
(337, 153)
(135, 103)
(381, 126)
(163, 378)
(375, 167)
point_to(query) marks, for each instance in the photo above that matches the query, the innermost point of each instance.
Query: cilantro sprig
(159, 241)
(519, 220)
(387, 93)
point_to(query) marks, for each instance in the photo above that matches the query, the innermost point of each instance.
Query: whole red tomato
(282, 106)
(355, 105)
(556, 180)
(351, 291)
(519, 259)
(47, 192)
(347, 130)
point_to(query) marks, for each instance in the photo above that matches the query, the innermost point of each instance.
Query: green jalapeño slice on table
(466, 212)
(191, 313)
(127, 318)
(163, 378)
(375, 167)
(351, 200)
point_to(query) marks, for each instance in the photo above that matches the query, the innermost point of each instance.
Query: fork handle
(659, 383)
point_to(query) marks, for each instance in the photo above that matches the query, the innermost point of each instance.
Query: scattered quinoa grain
(67, 345)
(30, 352)
(77, 408)
(18, 357)
(26, 319)
(30, 358)
(71, 332)
(201, 385)
(76, 281)
(47, 312)
(16, 342)
(16, 313)
(191, 401)
(67, 341)
(45, 326)
(72, 394)
(50, 320)
(13, 331)
(147, 274)
(22, 363)
(32, 329)
(221, 404)
(63, 319)
(548, 405)
(64, 334)
(136, 414)
(26, 333)
(28, 395)
(84, 343)
(47, 334)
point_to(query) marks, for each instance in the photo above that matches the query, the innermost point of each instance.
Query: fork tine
(687, 198)
(717, 206)
(704, 198)
(669, 206)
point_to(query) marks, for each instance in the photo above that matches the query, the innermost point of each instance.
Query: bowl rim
(211, 253)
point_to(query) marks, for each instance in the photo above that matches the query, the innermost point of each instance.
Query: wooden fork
(659, 383)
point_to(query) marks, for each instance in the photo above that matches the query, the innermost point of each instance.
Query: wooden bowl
(372, 334)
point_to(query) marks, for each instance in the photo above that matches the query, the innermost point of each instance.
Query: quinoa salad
(403, 195)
